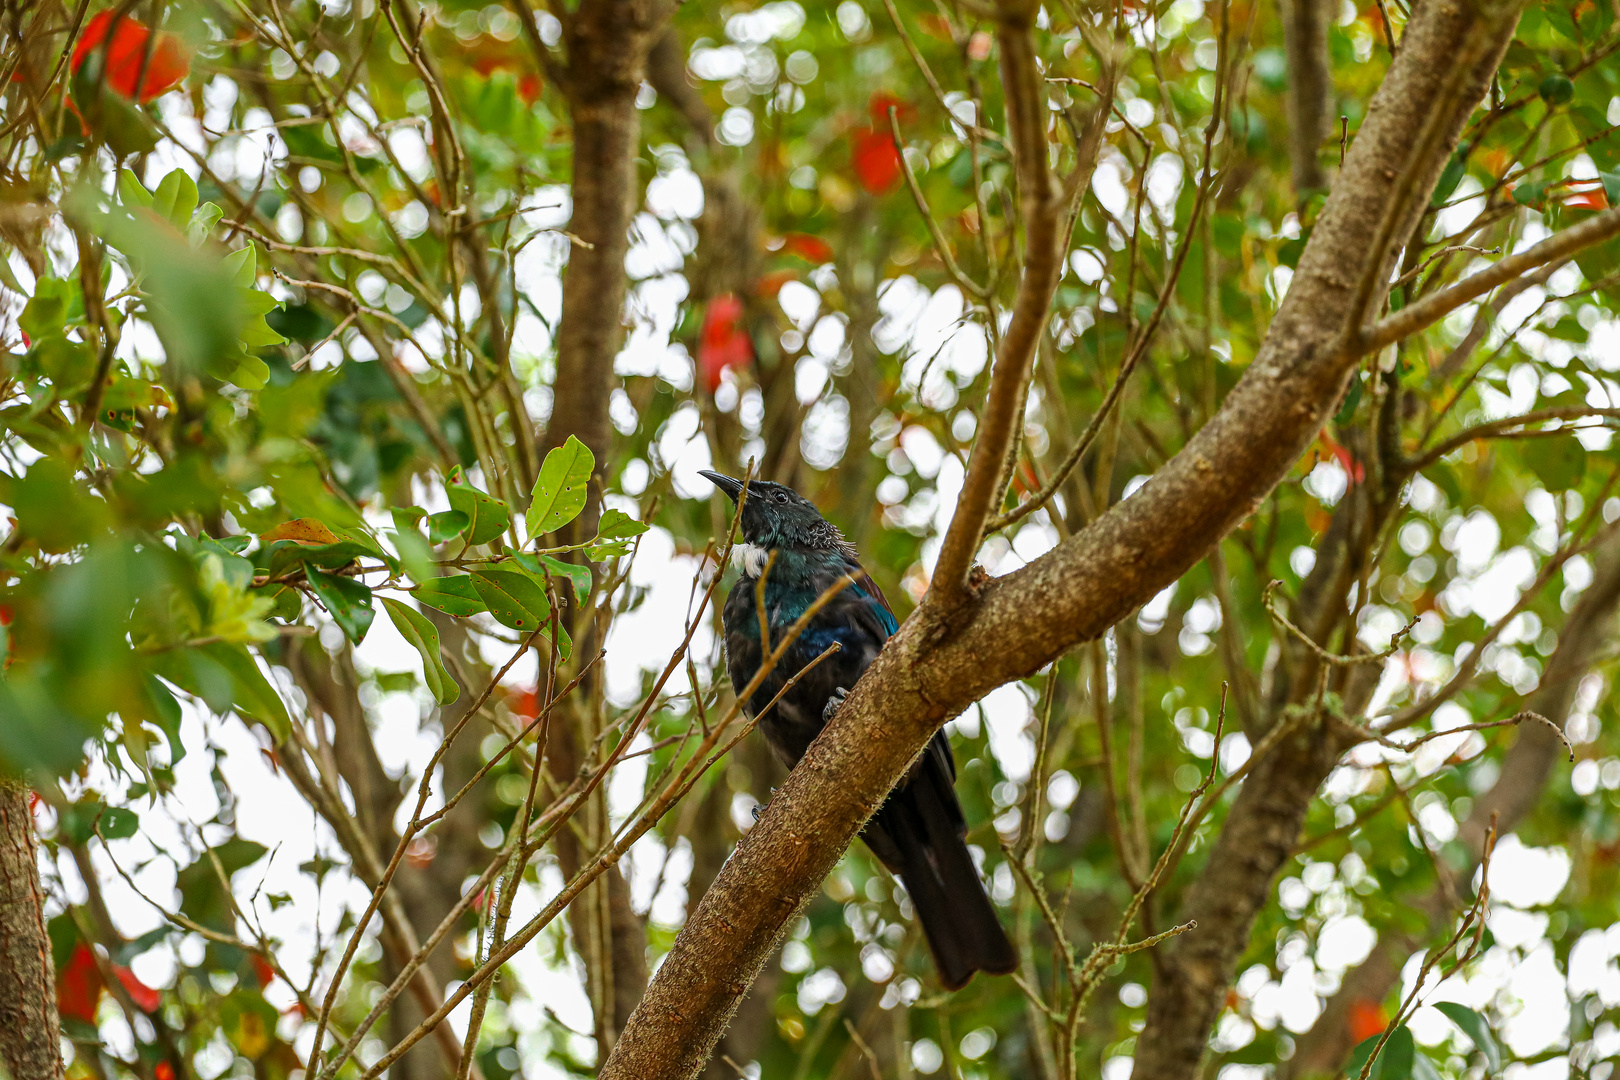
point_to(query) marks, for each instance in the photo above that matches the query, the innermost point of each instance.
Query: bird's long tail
(957, 917)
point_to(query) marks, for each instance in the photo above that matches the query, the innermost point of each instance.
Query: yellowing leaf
(300, 531)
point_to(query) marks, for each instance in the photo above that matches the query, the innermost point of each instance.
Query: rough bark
(607, 45)
(30, 1032)
(1310, 89)
(1011, 626)
(1529, 762)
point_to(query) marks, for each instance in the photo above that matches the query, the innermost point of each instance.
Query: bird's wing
(867, 590)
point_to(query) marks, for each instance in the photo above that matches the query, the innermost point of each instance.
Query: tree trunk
(30, 1032)
(1310, 89)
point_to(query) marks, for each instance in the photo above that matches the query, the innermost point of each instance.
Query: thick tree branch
(1015, 624)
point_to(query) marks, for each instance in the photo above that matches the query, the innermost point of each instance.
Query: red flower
(164, 1071)
(79, 985)
(263, 971)
(812, 248)
(529, 87)
(877, 162)
(128, 52)
(1366, 1020)
(723, 342)
(145, 998)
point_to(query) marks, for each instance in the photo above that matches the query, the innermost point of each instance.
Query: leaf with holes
(539, 565)
(419, 630)
(348, 600)
(513, 598)
(454, 595)
(487, 516)
(559, 490)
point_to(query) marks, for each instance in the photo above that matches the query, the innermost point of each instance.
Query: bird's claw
(759, 808)
(833, 703)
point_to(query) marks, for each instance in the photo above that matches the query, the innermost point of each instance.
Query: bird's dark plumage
(919, 832)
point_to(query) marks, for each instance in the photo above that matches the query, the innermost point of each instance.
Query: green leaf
(559, 490)
(580, 575)
(251, 693)
(251, 374)
(1559, 461)
(1478, 1031)
(348, 600)
(131, 192)
(419, 630)
(77, 822)
(1395, 1063)
(165, 714)
(445, 524)
(406, 517)
(514, 599)
(1530, 194)
(176, 198)
(203, 222)
(1351, 400)
(1450, 178)
(1423, 1068)
(243, 267)
(487, 516)
(618, 525)
(453, 595)
(119, 824)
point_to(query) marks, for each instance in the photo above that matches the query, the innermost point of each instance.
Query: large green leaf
(559, 490)
(419, 630)
(487, 516)
(1478, 1031)
(175, 198)
(119, 823)
(513, 598)
(575, 573)
(1395, 1063)
(1559, 461)
(225, 676)
(454, 595)
(348, 601)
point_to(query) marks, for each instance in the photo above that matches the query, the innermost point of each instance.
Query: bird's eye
(781, 496)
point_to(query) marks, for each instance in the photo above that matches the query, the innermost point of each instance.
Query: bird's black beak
(724, 483)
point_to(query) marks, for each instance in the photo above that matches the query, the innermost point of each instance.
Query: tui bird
(919, 832)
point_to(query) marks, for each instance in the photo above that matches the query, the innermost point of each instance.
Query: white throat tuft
(752, 558)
